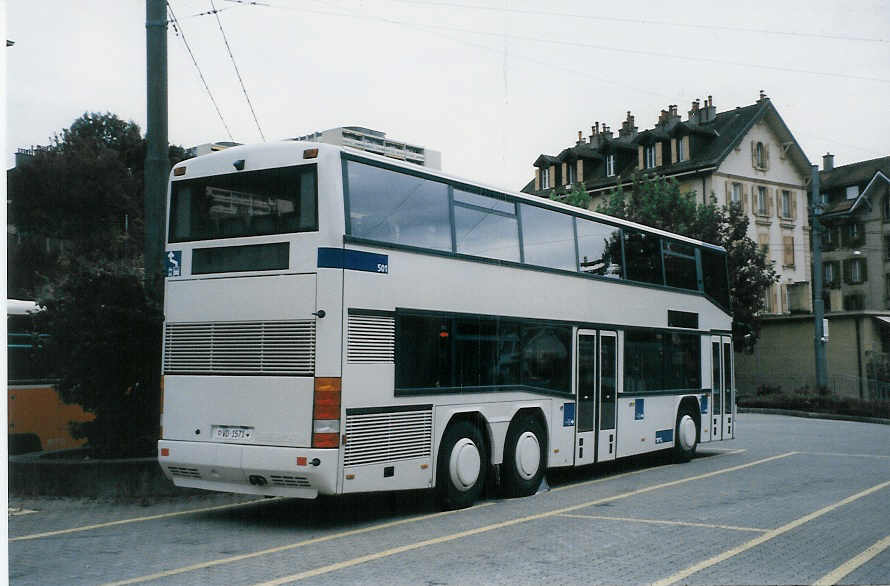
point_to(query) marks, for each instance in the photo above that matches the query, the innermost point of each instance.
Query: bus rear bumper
(245, 469)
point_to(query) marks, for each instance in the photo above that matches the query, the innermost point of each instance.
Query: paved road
(791, 501)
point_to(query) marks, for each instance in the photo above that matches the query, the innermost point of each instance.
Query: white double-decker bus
(338, 322)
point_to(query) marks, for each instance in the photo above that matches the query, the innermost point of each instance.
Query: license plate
(232, 432)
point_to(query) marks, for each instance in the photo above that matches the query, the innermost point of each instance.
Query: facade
(377, 142)
(745, 155)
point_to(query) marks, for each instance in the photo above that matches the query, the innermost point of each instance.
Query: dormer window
(571, 174)
(610, 165)
(681, 148)
(852, 192)
(545, 178)
(649, 156)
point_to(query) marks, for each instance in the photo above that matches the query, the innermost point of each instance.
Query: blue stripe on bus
(355, 260)
(664, 436)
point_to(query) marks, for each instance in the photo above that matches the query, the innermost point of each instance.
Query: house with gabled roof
(856, 271)
(746, 155)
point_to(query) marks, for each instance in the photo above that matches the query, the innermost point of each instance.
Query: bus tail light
(326, 413)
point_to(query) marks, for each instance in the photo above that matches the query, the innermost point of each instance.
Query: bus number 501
(382, 268)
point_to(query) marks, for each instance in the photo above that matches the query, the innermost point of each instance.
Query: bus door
(728, 387)
(608, 387)
(716, 389)
(586, 396)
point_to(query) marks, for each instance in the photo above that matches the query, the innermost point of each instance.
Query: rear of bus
(252, 330)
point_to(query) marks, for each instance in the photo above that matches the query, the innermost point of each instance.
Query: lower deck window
(660, 361)
(457, 352)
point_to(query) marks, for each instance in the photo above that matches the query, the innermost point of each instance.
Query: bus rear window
(252, 203)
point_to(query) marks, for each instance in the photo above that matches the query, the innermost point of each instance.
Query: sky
(490, 84)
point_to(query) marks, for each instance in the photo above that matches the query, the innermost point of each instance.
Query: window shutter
(777, 194)
(788, 244)
(863, 269)
(580, 175)
(848, 271)
(728, 186)
(769, 202)
(753, 154)
(686, 145)
(553, 179)
(658, 158)
(674, 151)
(793, 205)
(745, 197)
(783, 298)
(765, 155)
(537, 179)
(640, 156)
(565, 173)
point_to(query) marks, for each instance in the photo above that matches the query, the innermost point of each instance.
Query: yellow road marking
(845, 455)
(246, 556)
(683, 574)
(135, 520)
(485, 529)
(844, 569)
(664, 522)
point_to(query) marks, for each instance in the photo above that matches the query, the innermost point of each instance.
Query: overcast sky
(491, 84)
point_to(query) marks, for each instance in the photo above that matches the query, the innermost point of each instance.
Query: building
(855, 262)
(375, 141)
(745, 155)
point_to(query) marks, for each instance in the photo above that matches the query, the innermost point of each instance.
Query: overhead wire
(181, 33)
(237, 72)
(629, 20)
(600, 47)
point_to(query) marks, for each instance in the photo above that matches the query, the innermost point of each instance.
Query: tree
(83, 194)
(659, 203)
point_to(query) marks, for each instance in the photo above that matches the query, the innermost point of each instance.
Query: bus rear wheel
(462, 466)
(525, 456)
(686, 435)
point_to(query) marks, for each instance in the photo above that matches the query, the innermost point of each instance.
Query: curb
(42, 475)
(812, 415)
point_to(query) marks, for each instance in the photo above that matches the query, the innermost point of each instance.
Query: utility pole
(818, 303)
(157, 164)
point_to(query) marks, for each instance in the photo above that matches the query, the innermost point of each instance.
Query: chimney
(827, 162)
(762, 96)
(580, 138)
(627, 130)
(694, 112)
(709, 112)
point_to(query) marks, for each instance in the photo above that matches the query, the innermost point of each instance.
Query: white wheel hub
(465, 464)
(528, 455)
(686, 432)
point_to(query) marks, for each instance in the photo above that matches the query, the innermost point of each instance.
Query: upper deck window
(396, 207)
(251, 203)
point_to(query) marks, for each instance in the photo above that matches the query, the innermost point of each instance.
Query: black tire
(520, 477)
(684, 435)
(456, 485)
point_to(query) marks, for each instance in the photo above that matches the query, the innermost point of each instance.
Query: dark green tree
(80, 196)
(659, 203)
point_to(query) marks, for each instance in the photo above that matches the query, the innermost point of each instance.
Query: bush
(105, 339)
(815, 401)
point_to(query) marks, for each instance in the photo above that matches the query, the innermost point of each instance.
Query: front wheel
(686, 439)
(525, 456)
(462, 466)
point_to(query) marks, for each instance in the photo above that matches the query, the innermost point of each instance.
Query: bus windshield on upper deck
(251, 203)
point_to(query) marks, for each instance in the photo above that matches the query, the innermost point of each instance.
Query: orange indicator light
(165, 451)
(301, 460)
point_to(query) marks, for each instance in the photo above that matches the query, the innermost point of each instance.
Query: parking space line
(664, 522)
(136, 520)
(847, 567)
(683, 574)
(247, 556)
(623, 474)
(509, 523)
(845, 455)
